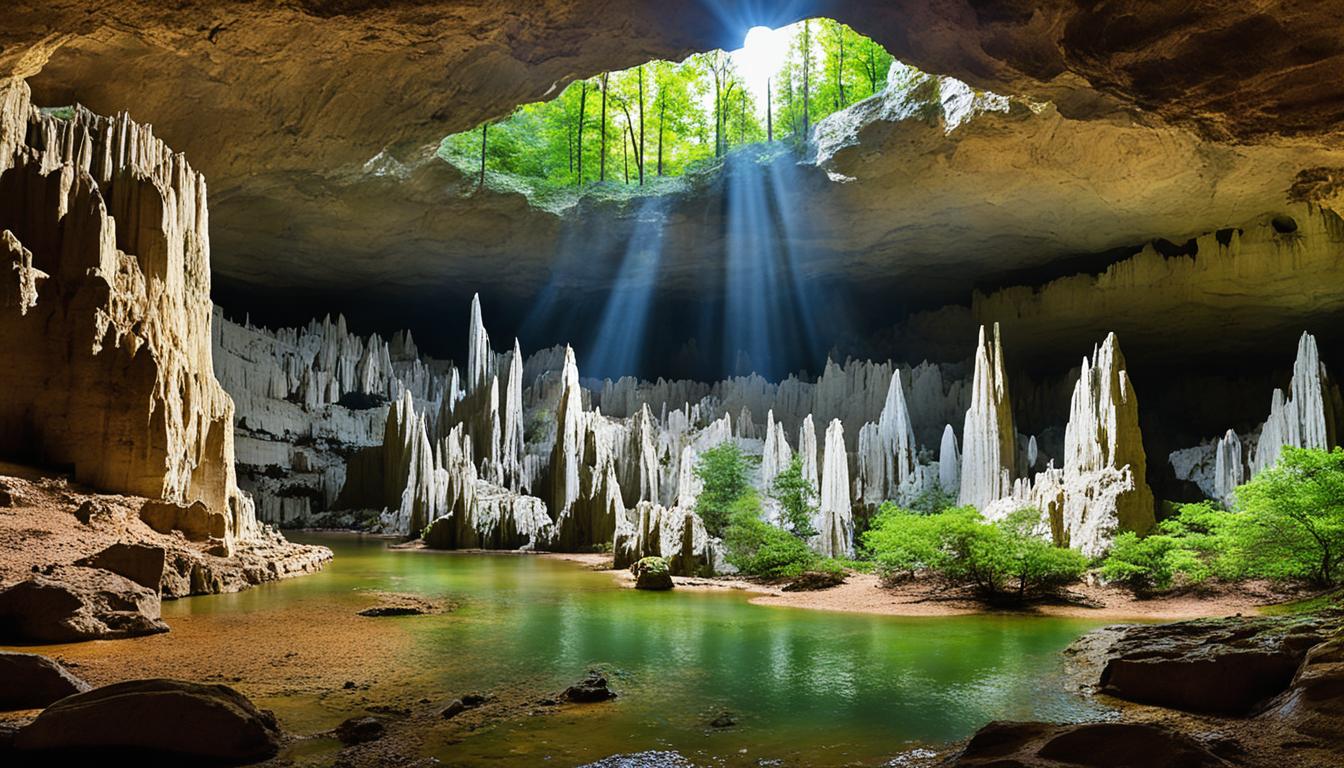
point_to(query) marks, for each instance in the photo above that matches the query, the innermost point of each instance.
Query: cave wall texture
(1146, 152)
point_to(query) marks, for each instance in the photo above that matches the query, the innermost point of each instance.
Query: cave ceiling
(316, 123)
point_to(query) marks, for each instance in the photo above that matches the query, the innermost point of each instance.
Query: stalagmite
(835, 530)
(897, 434)
(478, 348)
(512, 448)
(566, 454)
(807, 450)
(949, 462)
(1307, 416)
(1229, 467)
(988, 451)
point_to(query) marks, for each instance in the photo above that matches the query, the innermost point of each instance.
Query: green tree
(797, 499)
(1291, 518)
(722, 471)
(757, 548)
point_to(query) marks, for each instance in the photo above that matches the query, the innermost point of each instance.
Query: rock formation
(988, 451)
(949, 462)
(108, 231)
(835, 527)
(1102, 488)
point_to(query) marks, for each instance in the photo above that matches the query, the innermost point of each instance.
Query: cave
(724, 382)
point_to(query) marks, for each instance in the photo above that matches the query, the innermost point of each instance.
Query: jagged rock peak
(478, 348)
(988, 438)
(835, 531)
(1307, 416)
(1229, 467)
(949, 462)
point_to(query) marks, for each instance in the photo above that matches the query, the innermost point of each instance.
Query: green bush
(1004, 559)
(1290, 520)
(1186, 549)
(723, 472)
(796, 498)
(757, 548)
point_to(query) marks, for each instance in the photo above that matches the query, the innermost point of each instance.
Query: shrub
(757, 548)
(796, 498)
(996, 559)
(1187, 548)
(1290, 523)
(723, 473)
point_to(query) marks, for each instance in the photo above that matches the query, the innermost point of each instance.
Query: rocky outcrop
(1223, 666)
(30, 681)
(141, 563)
(675, 535)
(155, 719)
(989, 452)
(652, 573)
(949, 462)
(1313, 705)
(68, 604)
(122, 388)
(1094, 745)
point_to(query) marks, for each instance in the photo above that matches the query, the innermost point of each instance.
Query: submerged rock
(70, 604)
(29, 681)
(652, 573)
(650, 759)
(589, 690)
(458, 706)
(155, 718)
(393, 610)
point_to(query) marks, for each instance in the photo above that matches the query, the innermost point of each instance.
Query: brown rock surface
(1094, 745)
(28, 681)
(153, 718)
(69, 604)
(141, 563)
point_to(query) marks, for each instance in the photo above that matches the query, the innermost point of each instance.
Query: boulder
(1219, 666)
(71, 604)
(810, 581)
(29, 681)
(1092, 745)
(360, 730)
(652, 573)
(141, 563)
(589, 690)
(195, 520)
(155, 718)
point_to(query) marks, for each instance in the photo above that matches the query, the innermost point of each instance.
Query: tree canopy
(666, 119)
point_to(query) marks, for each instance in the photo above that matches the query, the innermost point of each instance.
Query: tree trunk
(485, 127)
(583, 104)
(640, 160)
(840, 67)
(625, 156)
(769, 112)
(662, 113)
(602, 158)
(718, 98)
(807, 84)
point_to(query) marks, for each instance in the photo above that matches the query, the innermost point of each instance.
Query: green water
(806, 687)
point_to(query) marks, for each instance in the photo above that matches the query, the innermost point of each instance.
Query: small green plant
(723, 472)
(797, 499)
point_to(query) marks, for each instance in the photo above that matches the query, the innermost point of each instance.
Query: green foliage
(757, 548)
(1290, 521)
(933, 500)
(722, 470)
(796, 498)
(668, 118)
(1004, 559)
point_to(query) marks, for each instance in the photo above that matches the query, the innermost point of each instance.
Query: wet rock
(810, 581)
(155, 718)
(589, 690)
(1314, 704)
(194, 520)
(650, 759)
(71, 604)
(652, 573)
(723, 720)
(1221, 666)
(360, 730)
(458, 706)
(141, 563)
(1094, 745)
(393, 610)
(29, 681)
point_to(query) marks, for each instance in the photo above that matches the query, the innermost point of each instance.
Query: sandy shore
(863, 593)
